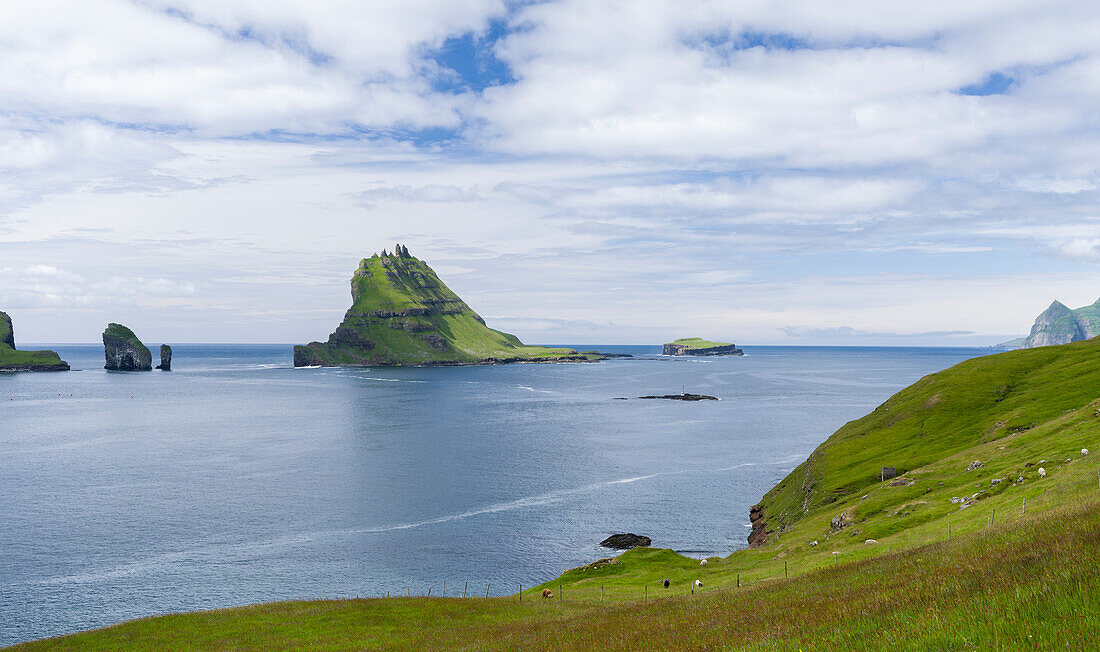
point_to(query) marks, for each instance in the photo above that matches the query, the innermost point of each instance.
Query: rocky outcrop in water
(12, 359)
(165, 358)
(625, 541)
(124, 351)
(684, 397)
(402, 314)
(699, 346)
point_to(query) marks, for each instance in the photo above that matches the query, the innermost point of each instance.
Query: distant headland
(12, 359)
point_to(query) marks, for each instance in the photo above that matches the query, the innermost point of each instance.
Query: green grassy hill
(944, 556)
(12, 359)
(402, 314)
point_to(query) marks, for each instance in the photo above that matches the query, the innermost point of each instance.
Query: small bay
(236, 479)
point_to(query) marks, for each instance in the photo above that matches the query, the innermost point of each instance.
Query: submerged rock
(625, 541)
(165, 358)
(684, 397)
(124, 351)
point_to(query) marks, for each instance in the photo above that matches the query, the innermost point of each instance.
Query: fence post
(645, 592)
(601, 594)
(784, 569)
(444, 594)
(429, 591)
(1023, 509)
(949, 530)
(739, 580)
(993, 516)
(486, 590)
(521, 593)
(464, 587)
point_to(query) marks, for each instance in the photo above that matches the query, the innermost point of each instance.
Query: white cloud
(730, 167)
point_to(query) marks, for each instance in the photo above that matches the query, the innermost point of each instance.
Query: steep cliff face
(402, 314)
(14, 360)
(7, 333)
(165, 358)
(699, 346)
(1060, 325)
(124, 351)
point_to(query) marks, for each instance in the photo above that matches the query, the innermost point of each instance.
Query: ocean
(237, 479)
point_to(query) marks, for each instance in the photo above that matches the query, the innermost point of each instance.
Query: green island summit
(12, 359)
(403, 315)
(699, 346)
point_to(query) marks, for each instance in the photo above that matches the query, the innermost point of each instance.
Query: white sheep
(1084, 451)
(703, 562)
(1042, 472)
(870, 542)
(698, 582)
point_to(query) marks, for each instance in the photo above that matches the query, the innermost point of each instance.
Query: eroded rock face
(7, 333)
(625, 541)
(165, 358)
(123, 351)
(680, 349)
(759, 533)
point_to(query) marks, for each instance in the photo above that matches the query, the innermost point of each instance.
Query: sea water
(236, 479)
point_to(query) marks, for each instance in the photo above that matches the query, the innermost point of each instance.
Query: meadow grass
(1031, 582)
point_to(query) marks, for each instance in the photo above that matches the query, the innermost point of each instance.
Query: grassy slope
(699, 343)
(1030, 574)
(414, 286)
(990, 399)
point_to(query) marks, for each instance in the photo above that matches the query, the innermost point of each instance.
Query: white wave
(227, 553)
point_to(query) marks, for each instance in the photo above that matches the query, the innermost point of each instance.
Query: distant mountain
(1060, 325)
(403, 315)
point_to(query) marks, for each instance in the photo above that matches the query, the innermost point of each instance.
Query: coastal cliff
(403, 315)
(699, 346)
(12, 359)
(123, 350)
(1059, 324)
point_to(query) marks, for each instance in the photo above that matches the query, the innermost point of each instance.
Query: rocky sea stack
(699, 346)
(124, 351)
(165, 358)
(15, 360)
(403, 315)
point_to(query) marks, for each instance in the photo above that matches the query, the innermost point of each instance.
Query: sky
(783, 172)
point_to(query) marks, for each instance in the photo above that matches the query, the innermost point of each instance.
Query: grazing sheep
(1084, 451)
(870, 542)
(698, 583)
(703, 562)
(666, 583)
(1042, 472)
(547, 593)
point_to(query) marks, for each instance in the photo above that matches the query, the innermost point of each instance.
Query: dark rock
(685, 397)
(124, 351)
(759, 533)
(165, 358)
(625, 541)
